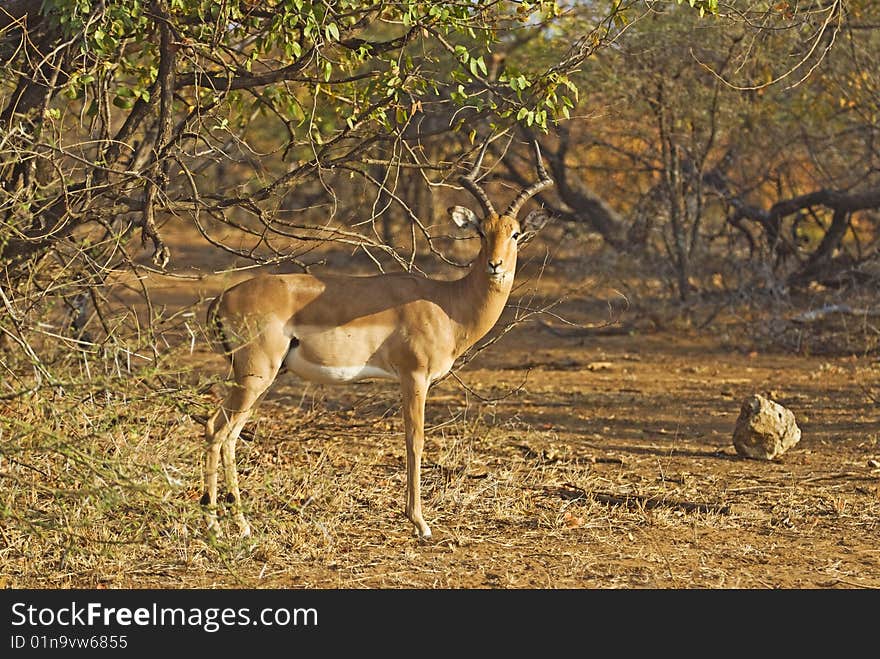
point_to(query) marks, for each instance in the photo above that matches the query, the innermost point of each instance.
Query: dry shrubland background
(716, 206)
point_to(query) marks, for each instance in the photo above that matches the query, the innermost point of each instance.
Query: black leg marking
(206, 499)
(217, 326)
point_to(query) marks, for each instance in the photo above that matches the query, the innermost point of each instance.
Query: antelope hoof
(214, 530)
(422, 531)
(244, 529)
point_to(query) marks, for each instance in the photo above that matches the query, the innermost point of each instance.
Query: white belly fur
(333, 374)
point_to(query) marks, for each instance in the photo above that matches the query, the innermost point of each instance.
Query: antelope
(329, 328)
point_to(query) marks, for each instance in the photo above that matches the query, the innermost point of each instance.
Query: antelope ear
(535, 220)
(464, 217)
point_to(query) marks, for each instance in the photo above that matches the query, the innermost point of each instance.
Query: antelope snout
(495, 268)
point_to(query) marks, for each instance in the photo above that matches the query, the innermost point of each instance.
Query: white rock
(765, 429)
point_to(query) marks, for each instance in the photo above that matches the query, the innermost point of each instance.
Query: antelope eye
(515, 235)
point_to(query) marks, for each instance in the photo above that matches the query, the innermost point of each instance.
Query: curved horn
(469, 181)
(533, 189)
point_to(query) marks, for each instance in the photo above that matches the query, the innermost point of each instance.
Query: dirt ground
(561, 457)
